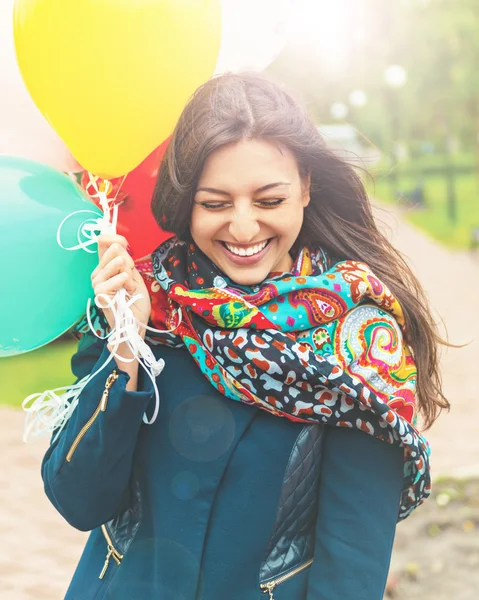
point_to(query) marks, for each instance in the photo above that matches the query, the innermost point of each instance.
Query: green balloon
(44, 288)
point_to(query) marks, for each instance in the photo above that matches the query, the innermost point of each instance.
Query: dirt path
(39, 551)
(436, 551)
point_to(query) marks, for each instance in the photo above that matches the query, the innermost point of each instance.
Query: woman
(264, 304)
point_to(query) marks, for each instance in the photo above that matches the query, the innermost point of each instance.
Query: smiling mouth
(245, 251)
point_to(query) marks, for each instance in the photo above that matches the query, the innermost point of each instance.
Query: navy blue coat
(210, 472)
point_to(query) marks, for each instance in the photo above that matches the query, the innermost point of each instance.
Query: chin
(247, 278)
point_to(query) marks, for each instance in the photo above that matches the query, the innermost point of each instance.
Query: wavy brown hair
(339, 218)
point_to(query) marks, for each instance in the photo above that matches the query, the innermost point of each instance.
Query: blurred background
(394, 88)
(398, 84)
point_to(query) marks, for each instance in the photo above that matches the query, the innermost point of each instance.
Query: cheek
(202, 227)
(290, 222)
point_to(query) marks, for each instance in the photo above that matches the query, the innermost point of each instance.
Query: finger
(131, 286)
(106, 240)
(117, 265)
(115, 249)
(139, 282)
(112, 252)
(112, 285)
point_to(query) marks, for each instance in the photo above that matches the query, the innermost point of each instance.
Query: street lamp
(357, 98)
(339, 111)
(395, 77)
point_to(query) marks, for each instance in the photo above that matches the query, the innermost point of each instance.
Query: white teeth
(252, 250)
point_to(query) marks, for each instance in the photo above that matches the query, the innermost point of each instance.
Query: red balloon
(133, 195)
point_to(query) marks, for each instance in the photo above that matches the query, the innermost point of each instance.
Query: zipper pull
(107, 562)
(270, 589)
(104, 400)
(104, 397)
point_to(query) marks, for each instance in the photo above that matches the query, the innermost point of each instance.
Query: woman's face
(248, 209)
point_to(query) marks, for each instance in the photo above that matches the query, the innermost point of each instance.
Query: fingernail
(129, 250)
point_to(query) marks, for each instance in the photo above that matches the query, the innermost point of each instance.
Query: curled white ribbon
(49, 411)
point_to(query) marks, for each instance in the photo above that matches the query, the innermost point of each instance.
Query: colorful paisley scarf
(322, 344)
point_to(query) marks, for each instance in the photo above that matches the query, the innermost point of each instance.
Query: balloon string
(119, 187)
(49, 411)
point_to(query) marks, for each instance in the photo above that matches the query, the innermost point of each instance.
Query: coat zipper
(100, 408)
(268, 588)
(112, 551)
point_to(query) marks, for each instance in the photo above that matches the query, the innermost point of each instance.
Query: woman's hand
(116, 269)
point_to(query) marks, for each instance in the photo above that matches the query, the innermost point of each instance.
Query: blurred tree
(436, 41)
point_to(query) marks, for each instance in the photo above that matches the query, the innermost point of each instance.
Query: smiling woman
(248, 209)
(233, 125)
(278, 297)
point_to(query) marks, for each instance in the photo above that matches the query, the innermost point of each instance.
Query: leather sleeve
(93, 486)
(360, 489)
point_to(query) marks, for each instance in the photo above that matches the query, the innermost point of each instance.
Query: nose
(243, 226)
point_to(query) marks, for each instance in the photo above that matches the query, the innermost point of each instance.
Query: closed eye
(214, 205)
(271, 203)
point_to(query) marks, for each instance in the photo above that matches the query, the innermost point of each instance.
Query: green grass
(434, 218)
(37, 371)
(463, 161)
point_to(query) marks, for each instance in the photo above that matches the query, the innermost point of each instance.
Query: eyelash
(262, 203)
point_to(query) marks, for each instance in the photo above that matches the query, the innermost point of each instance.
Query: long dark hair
(229, 108)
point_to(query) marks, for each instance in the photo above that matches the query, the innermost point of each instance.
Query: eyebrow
(264, 188)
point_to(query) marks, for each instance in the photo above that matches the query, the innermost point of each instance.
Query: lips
(246, 250)
(245, 259)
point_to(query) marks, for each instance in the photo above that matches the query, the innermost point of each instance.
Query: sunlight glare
(323, 26)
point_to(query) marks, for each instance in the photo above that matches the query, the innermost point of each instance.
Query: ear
(306, 189)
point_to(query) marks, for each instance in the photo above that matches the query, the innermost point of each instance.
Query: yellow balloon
(112, 76)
